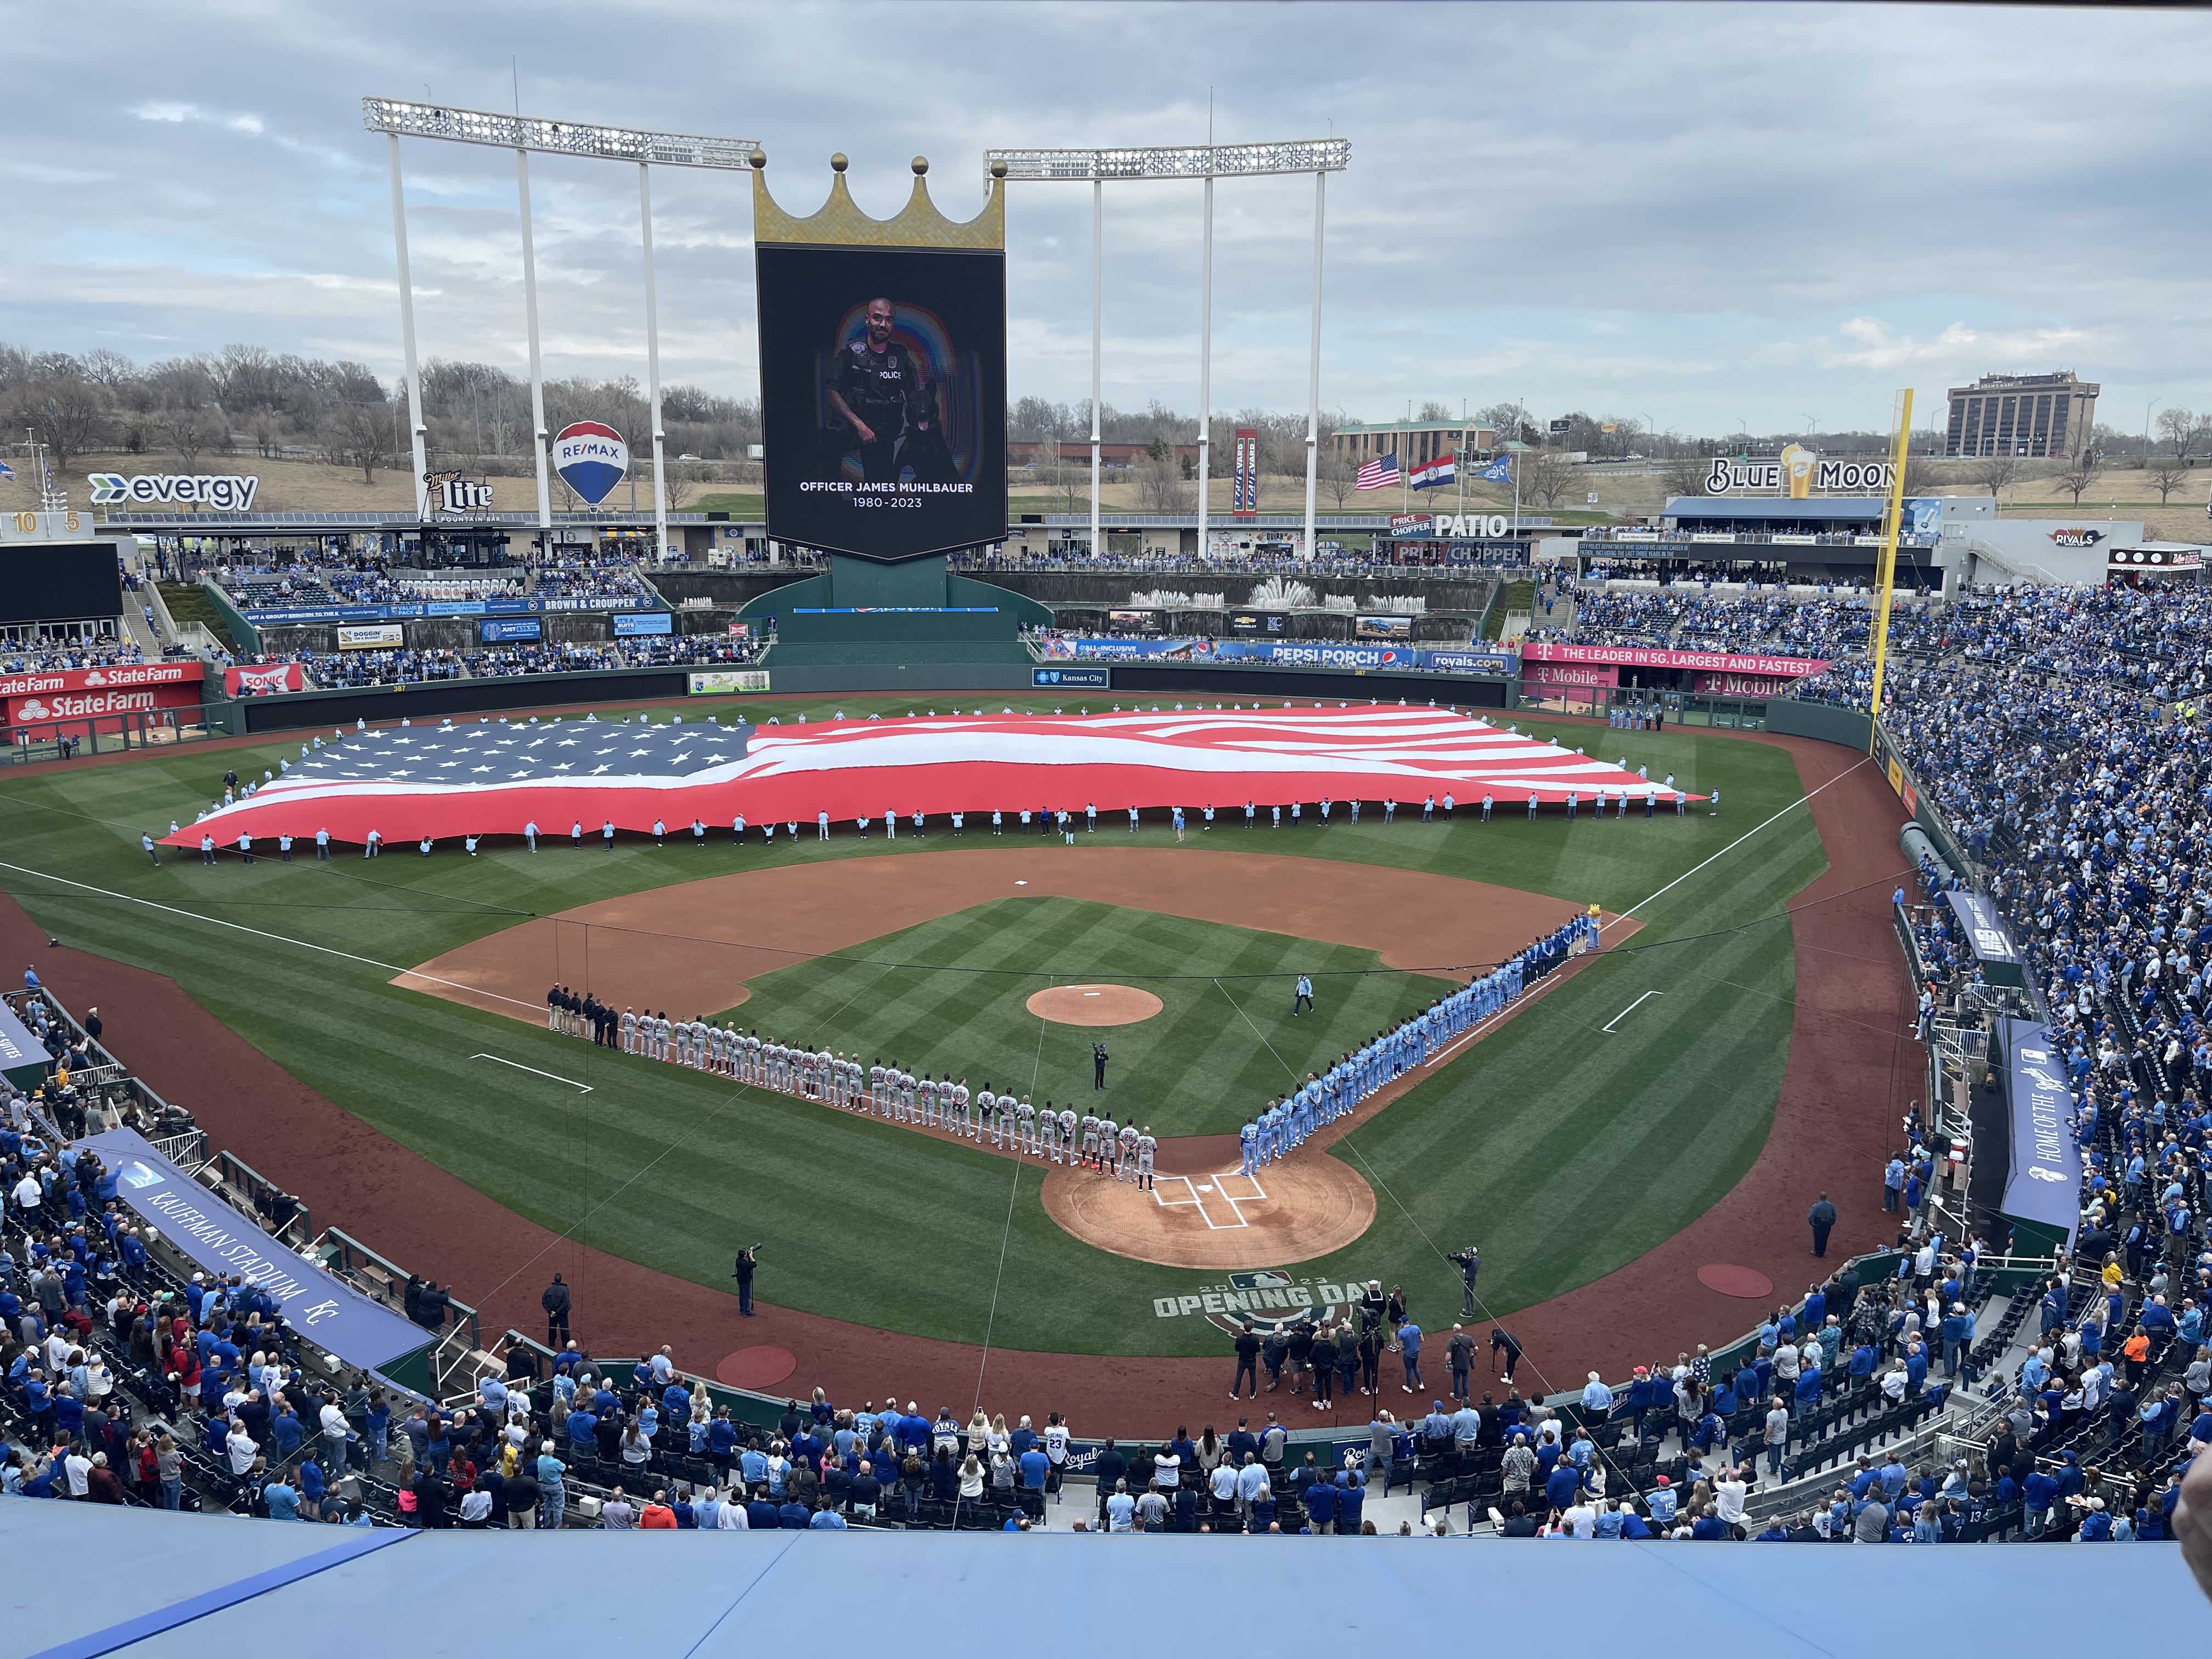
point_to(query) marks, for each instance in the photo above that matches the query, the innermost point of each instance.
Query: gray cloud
(1702, 214)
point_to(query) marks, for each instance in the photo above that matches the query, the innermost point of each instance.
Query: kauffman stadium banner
(490, 778)
(326, 1310)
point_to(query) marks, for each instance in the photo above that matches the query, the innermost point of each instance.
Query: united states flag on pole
(1380, 473)
(492, 777)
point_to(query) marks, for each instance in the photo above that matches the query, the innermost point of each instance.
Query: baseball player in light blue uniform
(1248, 1138)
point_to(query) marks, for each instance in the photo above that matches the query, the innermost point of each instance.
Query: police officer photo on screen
(885, 410)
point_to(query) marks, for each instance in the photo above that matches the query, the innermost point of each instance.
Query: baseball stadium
(866, 1009)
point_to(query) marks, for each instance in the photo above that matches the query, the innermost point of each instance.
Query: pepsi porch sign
(592, 459)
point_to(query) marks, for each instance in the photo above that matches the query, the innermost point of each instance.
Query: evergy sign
(225, 492)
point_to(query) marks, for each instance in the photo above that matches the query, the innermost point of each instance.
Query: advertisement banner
(721, 682)
(326, 1311)
(1313, 653)
(264, 679)
(44, 681)
(371, 636)
(1738, 685)
(1632, 656)
(884, 396)
(1067, 680)
(1246, 488)
(1382, 627)
(495, 630)
(1259, 622)
(23, 1058)
(2044, 1184)
(658, 621)
(1537, 679)
(590, 457)
(1411, 526)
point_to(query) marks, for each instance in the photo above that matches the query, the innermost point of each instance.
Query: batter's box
(1207, 1195)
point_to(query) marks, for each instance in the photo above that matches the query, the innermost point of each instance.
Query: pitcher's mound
(1094, 1005)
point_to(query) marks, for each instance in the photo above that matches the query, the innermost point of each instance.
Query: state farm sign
(75, 694)
(83, 679)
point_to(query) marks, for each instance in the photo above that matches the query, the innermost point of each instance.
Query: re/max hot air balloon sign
(590, 459)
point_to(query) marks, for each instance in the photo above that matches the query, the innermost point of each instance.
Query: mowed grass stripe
(1631, 1154)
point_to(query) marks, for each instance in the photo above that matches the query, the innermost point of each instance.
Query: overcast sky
(1705, 216)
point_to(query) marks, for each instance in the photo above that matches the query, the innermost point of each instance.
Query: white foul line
(1631, 1008)
(1732, 845)
(520, 1067)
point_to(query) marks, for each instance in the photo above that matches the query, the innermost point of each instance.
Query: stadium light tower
(1319, 156)
(398, 118)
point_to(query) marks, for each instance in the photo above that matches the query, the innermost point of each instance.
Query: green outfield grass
(1218, 1049)
(1564, 1150)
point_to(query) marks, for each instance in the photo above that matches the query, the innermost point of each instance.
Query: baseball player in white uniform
(876, 1101)
(926, 1096)
(1025, 1118)
(963, 1106)
(1091, 1138)
(987, 1103)
(1125, 1167)
(1108, 1129)
(630, 1030)
(1145, 1147)
(1067, 1123)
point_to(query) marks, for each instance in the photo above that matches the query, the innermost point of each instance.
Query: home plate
(1207, 1188)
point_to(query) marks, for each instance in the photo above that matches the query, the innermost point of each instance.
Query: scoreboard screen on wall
(60, 581)
(883, 397)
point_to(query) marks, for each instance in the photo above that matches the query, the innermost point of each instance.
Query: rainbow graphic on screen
(953, 380)
(590, 457)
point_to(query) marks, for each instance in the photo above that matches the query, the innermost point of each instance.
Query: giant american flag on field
(492, 777)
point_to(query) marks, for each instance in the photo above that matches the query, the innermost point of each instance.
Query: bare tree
(2077, 475)
(68, 413)
(2178, 427)
(2168, 474)
(1337, 477)
(109, 368)
(1547, 477)
(359, 433)
(1160, 485)
(1685, 475)
(680, 481)
(1920, 478)
(1994, 472)
(190, 432)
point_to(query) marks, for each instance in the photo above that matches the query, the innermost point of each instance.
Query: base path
(1841, 1092)
(1094, 1005)
(691, 946)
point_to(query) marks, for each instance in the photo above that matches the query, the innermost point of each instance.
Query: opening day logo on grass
(1262, 1296)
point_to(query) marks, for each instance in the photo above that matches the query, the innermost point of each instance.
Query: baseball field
(1600, 1119)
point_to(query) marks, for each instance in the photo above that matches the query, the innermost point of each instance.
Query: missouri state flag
(494, 776)
(1441, 470)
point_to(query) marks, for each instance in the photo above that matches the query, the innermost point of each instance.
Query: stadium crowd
(2057, 729)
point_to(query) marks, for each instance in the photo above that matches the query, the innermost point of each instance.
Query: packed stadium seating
(2058, 731)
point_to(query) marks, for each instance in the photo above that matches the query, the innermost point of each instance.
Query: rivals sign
(225, 492)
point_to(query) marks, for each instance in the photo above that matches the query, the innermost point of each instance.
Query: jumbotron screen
(883, 397)
(58, 581)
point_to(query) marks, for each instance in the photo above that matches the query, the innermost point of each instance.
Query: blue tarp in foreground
(732, 1595)
(329, 1312)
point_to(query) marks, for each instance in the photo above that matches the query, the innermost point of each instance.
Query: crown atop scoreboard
(839, 222)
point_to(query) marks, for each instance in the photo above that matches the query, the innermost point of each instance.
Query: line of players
(1060, 1135)
(1279, 1129)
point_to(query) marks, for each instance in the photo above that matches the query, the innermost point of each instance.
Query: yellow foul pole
(1893, 522)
